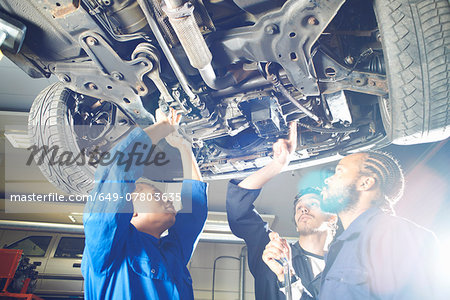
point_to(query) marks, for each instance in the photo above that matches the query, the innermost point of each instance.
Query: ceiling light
(18, 139)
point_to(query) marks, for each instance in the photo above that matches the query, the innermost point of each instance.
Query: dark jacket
(380, 256)
(246, 223)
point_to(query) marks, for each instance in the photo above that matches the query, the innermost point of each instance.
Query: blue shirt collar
(359, 224)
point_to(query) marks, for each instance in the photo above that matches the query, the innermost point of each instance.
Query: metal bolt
(312, 21)
(379, 37)
(349, 60)
(271, 29)
(106, 2)
(64, 77)
(147, 64)
(91, 86)
(117, 75)
(359, 81)
(91, 41)
(371, 82)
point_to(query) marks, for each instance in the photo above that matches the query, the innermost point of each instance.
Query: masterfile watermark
(72, 164)
(140, 154)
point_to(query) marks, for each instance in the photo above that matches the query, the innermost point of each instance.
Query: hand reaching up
(282, 151)
(165, 125)
(173, 117)
(283, 148)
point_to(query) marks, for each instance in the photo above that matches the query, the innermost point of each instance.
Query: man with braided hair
(379, 255)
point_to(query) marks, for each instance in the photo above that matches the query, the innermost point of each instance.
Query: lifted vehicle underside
(351, 73)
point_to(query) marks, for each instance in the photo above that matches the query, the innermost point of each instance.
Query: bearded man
(379, 255)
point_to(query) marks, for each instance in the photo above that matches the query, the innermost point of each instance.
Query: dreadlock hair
(301, 193)
(388, 175)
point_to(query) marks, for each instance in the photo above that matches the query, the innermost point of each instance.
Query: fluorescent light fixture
(76, 217)
(220, 238)
(218, 222)
(217, 228)
(18, 139)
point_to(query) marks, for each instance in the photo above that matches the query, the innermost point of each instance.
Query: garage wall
(227, 272)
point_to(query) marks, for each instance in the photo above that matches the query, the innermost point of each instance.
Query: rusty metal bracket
(108, 77)
(334, 77)
(285, 36)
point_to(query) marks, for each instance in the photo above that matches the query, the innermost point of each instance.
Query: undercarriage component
(262, 112)
(166, 50)
(328, 130)
(182, 19)
(217, 83)
(107, 76)
(285, 36)
(276, 83)
(338, 106)
(12, 33)
(124, 19)
(200, 13)
(350, 72)
(333, 76)
(258, 6)
(150, 52)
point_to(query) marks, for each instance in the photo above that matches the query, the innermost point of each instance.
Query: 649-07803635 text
(112, 197)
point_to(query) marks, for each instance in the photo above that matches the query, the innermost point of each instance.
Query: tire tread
(416, 35)
(46, 127)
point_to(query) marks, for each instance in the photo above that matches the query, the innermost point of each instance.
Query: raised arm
(245, 222)
(191, 218)
(282, 151)
(108, 214)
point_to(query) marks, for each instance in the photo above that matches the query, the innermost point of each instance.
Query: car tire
(415, 36)
(49, 124)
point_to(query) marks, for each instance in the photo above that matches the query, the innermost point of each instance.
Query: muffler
(181, 17)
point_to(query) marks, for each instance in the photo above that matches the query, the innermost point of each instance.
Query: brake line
(329, 130)
(277, 85)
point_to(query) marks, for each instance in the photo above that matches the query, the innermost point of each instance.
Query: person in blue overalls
(125, 256)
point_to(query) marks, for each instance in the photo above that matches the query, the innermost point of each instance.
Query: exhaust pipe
(181, 17)
(12, 33)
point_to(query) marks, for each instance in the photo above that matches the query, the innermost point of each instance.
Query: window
(32, 245)
(70, 247)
